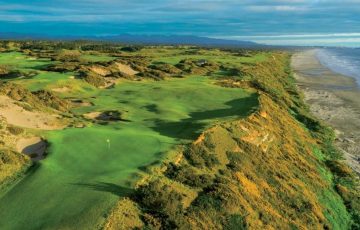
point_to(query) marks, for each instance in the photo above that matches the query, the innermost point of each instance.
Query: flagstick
(108, 141)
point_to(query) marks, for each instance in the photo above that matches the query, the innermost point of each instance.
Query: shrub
(200, 156)
(160, 198)
(15, 130)
(234, 161)
(188, 175)
(68, 56)
(235, 222)
(53, 101)
(339, 168)
(7, 71)
(4, 69)
(131, 48)
(95, 80)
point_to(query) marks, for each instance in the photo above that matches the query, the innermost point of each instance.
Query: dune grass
(97, 57)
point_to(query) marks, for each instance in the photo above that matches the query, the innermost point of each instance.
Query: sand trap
(100, 70)
(81, 103)
(18, 116)
(105, 116)
(126, 69)
(92, 115)
(35, 147)
(61, 89)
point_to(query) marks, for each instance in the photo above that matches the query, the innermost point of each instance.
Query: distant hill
(141, 39)
(177, 40)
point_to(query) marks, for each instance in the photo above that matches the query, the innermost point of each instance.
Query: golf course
(87, 169)
(99, 135)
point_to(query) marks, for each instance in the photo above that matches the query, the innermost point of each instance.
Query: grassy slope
(84, 175)
(269, 171)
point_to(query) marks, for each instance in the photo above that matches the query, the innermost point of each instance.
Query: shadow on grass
(107, 187)
(190, 128)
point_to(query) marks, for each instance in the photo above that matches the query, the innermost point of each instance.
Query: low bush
(200, 156)
(131, 48)
(95, 80)
(15, 130)
(188, 175)
(68, 56)
(160, 198)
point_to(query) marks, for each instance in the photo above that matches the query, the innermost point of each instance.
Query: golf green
(88, 169)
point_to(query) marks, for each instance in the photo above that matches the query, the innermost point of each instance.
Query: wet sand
(335, 99)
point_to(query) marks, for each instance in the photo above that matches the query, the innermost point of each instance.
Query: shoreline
(333, 98)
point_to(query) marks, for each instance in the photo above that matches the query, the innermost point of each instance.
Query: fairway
(88, 169)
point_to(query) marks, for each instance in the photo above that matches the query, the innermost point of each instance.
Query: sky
(264, 21)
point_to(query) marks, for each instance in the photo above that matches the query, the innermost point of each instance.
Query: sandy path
(333, 98)
(18, 116)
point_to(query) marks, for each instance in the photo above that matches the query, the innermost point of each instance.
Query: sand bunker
(126, 69)
(35, 147)
(100, 70)
(61, 89)
(105, 116)
(81, 103)
(18, 116)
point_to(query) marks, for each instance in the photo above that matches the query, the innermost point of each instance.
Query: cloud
(205, 17)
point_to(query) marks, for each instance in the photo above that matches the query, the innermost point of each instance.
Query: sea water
(345, 61)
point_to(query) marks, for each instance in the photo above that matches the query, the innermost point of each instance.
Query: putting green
(88, 169)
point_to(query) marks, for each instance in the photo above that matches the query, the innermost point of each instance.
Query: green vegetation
(260, 160)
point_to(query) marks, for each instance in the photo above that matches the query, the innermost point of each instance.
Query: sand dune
(125, 69)
(18, 116)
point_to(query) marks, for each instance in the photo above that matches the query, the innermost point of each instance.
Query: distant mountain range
(141, 39)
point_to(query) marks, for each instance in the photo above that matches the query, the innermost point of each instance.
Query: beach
(334, 98)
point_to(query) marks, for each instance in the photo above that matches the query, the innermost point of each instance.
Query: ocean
(345, 61)
(320, 40)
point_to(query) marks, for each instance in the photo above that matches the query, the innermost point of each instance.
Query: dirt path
(333, 98)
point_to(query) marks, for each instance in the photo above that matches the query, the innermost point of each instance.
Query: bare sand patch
(100, 70)
(61, 89)
(92, 115)
(18, 116)
(111, 115)
(125, 69)
(35, 147)
(81, 103)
